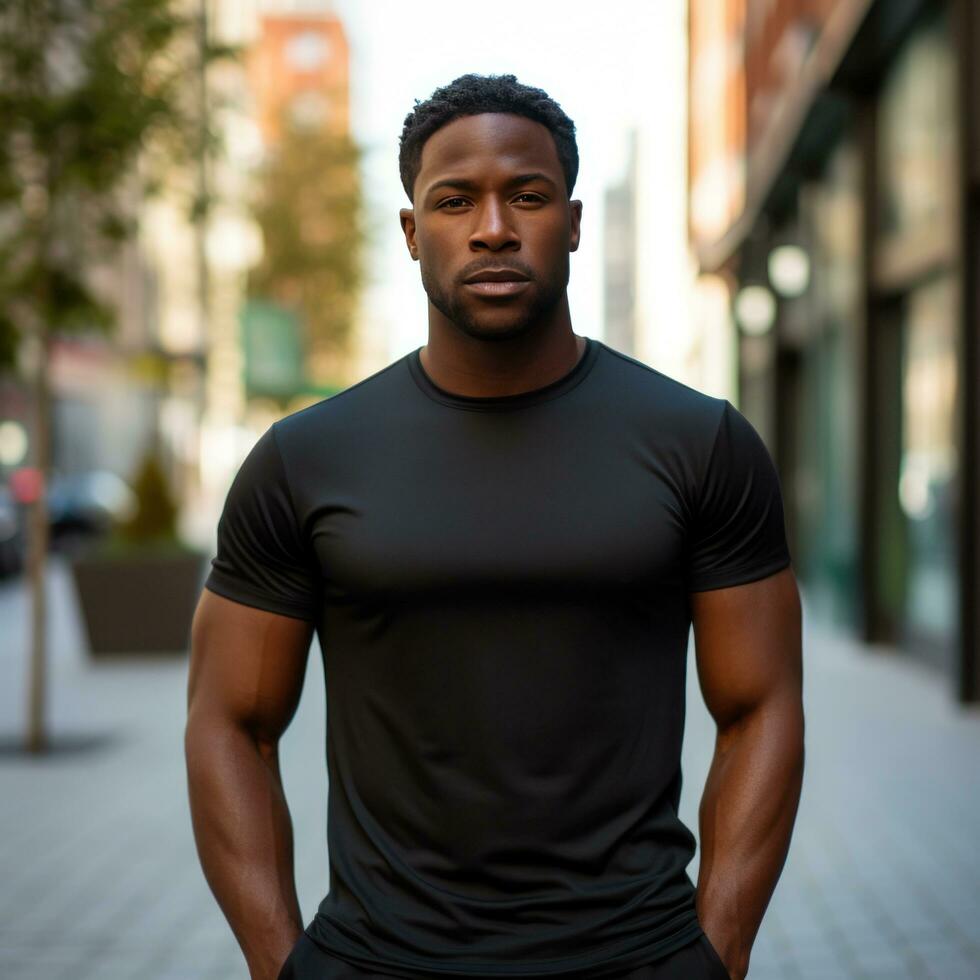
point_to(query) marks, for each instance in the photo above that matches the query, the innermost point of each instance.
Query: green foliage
(309, 207)
(155, 518)
(88, 89)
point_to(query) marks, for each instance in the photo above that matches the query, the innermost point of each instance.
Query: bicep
(748, 645)
(247, 665)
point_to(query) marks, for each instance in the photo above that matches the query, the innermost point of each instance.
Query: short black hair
(471, 95)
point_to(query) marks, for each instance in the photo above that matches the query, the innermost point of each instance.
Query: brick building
(299, 70)
(834, 187)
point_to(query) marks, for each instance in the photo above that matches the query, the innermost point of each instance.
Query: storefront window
(917, 142)
(928, 465)
(825, 451)
(916, 282)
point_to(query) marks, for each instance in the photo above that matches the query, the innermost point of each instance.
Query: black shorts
(697, 961)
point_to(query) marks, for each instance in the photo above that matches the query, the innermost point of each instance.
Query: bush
(153, 522)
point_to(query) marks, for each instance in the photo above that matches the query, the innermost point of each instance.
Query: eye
(448, 203)
(535, 198)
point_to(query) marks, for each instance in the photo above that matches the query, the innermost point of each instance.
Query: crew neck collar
(498, 403)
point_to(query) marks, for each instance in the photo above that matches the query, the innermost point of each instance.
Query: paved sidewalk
(101, 879)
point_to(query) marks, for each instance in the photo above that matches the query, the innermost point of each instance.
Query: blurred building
(619, 256)
(298, 80)
(834, 178)
(192, 370)
(647, 268)
(299, 71)
(141, 388)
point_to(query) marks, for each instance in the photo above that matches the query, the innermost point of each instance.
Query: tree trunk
(37, 734)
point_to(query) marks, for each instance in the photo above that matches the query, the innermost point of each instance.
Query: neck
(473, 367)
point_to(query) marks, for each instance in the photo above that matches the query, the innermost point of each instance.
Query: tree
(93, 93)
(309, 207)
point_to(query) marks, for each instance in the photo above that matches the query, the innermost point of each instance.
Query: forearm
(244, 839)
(746, 821)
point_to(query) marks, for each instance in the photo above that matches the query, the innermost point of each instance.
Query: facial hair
(449, 302)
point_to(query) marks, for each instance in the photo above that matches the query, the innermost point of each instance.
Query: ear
(407, 216)
(575, 223)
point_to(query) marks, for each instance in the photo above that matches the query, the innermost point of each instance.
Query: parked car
(86, 505)
(81, 507)
(11, 535)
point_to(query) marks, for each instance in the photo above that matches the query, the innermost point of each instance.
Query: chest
(490, 504)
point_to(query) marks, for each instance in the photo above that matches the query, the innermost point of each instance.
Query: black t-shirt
(500, 590)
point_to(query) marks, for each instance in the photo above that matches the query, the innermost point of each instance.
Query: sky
(604, 63)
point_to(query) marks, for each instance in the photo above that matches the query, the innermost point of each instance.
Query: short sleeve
(261, 557)
(737, 533)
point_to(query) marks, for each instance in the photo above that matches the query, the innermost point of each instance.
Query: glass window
(307, 51)
(916, 279)
(917, 134)
(825, 453)
(928, 464)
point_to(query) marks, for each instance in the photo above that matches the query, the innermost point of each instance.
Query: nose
(492, 228)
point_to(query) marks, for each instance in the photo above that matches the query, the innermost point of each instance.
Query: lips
(497, 275)
(497, 282)
(493, 287)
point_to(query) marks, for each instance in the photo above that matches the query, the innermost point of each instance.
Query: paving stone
(953, 966)
(879, 961)
(825, 965)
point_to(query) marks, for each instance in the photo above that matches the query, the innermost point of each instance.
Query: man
(502, 540)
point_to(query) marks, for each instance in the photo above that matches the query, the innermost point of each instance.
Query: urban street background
(199, 235)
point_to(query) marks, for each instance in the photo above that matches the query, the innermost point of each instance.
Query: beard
(501, 324)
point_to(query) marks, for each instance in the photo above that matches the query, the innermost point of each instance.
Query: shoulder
(688, 414)
(345, 414)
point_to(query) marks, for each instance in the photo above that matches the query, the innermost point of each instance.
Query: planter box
(139, 603)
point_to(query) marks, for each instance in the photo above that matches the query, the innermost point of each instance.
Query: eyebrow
(468, 185)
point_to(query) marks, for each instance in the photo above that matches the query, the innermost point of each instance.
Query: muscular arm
(749, 658)
(246, 676)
